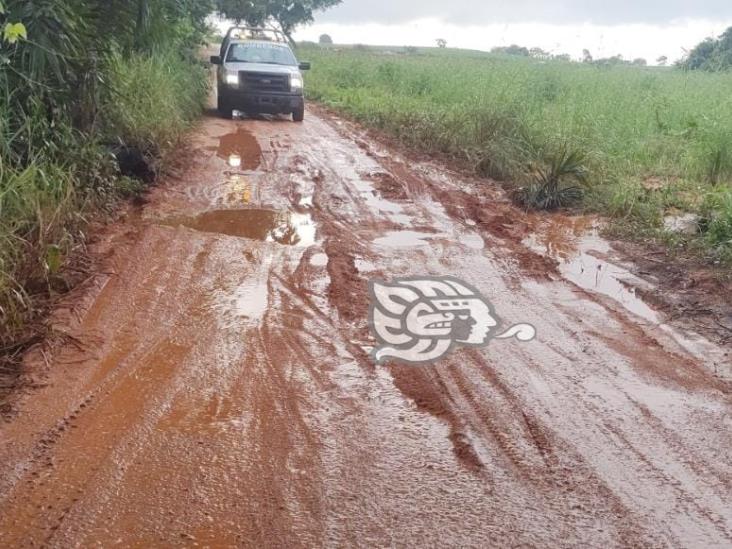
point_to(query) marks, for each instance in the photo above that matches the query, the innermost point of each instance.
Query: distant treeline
(713, 54)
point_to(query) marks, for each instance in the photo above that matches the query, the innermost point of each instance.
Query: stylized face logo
(420, 320)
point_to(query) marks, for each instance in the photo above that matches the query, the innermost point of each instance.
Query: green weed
(717, 220)
(558, 182)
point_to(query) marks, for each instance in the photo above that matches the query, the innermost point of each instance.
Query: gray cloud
(605, 12)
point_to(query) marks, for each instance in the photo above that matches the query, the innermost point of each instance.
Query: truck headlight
(296, 82)
(232, 78)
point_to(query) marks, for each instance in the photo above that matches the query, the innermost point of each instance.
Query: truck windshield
(273, 54)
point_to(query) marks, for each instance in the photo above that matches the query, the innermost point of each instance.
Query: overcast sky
(638, 28)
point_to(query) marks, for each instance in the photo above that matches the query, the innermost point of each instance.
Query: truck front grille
(262, 81)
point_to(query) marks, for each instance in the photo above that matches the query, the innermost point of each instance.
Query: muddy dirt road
(218, 389)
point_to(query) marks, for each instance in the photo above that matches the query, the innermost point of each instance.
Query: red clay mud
(217, 390)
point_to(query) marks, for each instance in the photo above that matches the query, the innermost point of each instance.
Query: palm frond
(550, 188)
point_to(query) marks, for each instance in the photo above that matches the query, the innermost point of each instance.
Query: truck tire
(298, 115)
(222, 105)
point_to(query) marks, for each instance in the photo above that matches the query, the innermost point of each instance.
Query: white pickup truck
(259, 73)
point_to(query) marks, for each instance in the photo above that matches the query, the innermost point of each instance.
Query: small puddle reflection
(405, 239)
(365, 266)
(247, 303)
(240, 150)
(580, 261)
(286, 228)
(306, 201)
(319, 260)
(239, 189)
(376, 202)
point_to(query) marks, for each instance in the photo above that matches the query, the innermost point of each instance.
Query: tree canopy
(713, 54)
(287, 14)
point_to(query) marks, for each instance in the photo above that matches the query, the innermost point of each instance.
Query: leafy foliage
(287, 14)
(717, 216)
(513, 49)
(711, 54)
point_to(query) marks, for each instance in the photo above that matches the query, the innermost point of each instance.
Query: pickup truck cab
(259, 73)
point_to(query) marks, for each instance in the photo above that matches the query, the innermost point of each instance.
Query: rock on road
(216, 387)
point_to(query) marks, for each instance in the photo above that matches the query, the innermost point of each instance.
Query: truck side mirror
(215, 60)
(305, 66)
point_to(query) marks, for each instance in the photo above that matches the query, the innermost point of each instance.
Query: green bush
(37, 207)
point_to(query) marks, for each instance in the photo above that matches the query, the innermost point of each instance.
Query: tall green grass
(154, 98)
(653, 139)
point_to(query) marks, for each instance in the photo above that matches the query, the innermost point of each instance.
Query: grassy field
(650, 142)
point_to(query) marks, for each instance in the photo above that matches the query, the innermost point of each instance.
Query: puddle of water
(319, 260)
(405, 239)
(240, 149)
(378, 203)
(364, 266)
(561, 237)
(303, 187)
(286, 228)
(304, 231)
(580, 252)
(248, 301)
(235, 189)
(238, 189)
(585, 267)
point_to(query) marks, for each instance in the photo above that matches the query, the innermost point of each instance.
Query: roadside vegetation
(94, 96)
(636, 143)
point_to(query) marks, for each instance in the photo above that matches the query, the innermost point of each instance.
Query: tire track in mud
(117, 393)
(348, 293)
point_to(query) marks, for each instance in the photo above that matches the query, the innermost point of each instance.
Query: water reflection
(239, 189)
(243, 145)
(281, 227)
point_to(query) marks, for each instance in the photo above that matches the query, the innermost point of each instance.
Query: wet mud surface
(217, 388)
